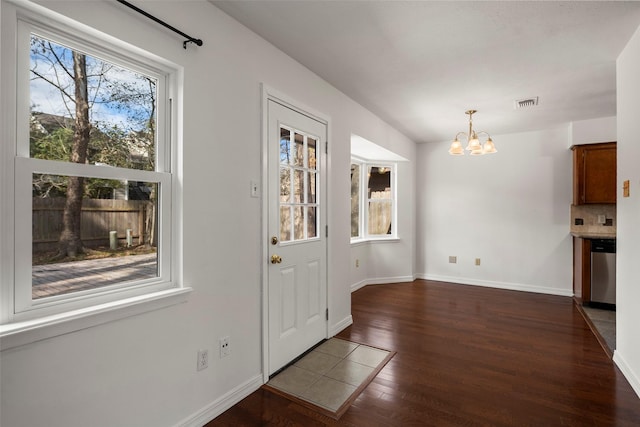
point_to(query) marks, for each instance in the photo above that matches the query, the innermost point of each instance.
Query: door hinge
(327, 313)
(326, 231)
(326, 147)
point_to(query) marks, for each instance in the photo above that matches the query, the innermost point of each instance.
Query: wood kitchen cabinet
(594, 173)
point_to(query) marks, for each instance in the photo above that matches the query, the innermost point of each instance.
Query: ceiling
(419, 65)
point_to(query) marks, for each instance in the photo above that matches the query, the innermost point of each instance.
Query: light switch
(625, 189)
(255, 192)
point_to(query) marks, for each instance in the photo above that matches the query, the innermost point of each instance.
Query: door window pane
(312, 189)
(285, 145)
(311, 147)
(285, 223)
(298, 222)
(298, 150)
(285, 185)
(298, 186)
(311, 222)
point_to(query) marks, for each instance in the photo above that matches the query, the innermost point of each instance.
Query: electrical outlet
(602, 219)
(453, 259)
(477, 261)
(225, 347)
(203, 360)
(357, 263)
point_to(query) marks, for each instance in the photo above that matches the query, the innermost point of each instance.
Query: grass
(92, 253)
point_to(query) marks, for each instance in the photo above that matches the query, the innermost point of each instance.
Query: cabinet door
(595, 173)
(600, 175)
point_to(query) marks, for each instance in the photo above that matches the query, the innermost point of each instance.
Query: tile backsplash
(584, 218)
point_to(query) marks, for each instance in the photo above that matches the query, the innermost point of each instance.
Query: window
(355, 200)
(372, 187)
(379, 201)
(94, 182)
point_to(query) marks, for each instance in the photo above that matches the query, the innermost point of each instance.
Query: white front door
(297, 255)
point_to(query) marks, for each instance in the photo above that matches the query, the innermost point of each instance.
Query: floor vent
(525, 103)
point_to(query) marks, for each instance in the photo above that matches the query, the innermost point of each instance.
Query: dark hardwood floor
(468, 356)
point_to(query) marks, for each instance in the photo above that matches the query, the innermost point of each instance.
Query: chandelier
(474, 146)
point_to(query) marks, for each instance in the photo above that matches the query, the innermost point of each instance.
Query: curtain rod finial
(198, 42)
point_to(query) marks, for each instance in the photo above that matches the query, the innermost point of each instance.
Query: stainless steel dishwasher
(603, 273)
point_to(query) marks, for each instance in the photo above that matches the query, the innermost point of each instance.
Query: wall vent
(525, 103)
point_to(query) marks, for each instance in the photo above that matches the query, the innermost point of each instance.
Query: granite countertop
(592, 235)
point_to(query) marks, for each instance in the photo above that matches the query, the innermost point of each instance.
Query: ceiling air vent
(525, 103)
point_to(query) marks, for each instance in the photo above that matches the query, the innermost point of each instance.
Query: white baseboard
(628, 373)
(209, 412)
(381, 281)
(344, 323)
(356, 286)
(498, 285)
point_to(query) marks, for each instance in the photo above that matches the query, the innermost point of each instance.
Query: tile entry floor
(331, 373)
(605, 323)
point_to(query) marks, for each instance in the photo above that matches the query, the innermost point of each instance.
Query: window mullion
(87, 170)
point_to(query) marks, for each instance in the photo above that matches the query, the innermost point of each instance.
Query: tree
(70, 243)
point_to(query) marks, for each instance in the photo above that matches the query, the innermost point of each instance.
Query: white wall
(627, 354)
(140, 371)
(592, 131)
(510, 209)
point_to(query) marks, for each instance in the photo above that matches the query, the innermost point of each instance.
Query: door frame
(271, 94)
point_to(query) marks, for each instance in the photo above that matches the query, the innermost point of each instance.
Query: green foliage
(51, 146)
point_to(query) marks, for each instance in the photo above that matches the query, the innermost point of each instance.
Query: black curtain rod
(153, 18)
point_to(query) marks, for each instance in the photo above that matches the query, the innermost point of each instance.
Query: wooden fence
(99, 217)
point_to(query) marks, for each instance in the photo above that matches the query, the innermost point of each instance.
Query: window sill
(360, 242)
(29, 331)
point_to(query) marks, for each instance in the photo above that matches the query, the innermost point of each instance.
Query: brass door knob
(276, 259)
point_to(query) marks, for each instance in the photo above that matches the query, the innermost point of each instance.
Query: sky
(46, 98)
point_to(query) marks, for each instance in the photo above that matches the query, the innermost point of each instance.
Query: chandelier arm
(483, 132)
(462, 133)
